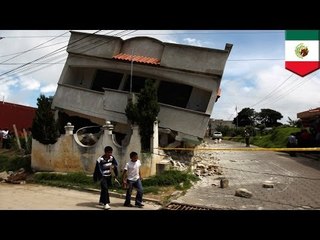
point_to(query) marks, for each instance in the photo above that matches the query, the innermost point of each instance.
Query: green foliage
(245, 117)
(132, 112)
(170, 178)
(294, 123)
(248, 117)
(144, 112)
(3, 163)
(269, 117)
(44, 126)
(69, 180)
(77, 177)
(15, 163)
(277, 138)
(224, 129)
(181, 180)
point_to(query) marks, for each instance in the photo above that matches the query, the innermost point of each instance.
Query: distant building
(311, 119)
(309, 116)
(20, 115)
(214, 123)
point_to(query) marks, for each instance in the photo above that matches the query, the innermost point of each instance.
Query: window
(106, 79)
(174, 94)
(137, 83)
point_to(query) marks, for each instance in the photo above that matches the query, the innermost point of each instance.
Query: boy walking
(102, 171)
(132, 178)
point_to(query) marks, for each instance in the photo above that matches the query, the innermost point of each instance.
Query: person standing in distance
(102, 172)
(247, 137)
(132, 178)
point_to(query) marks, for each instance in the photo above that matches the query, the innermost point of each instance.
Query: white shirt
(133, 170)
(5, 134)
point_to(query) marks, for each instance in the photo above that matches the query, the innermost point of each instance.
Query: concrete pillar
(108, 127)
(155, 138)
(107, 137)
(69, 129)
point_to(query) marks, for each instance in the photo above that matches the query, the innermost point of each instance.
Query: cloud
(51, 88)
(28, 83)
(192, 41)
(273, 89)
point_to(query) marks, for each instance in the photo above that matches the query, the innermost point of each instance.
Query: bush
(15, 163)
(170, 178)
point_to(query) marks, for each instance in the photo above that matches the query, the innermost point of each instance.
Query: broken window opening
(106, 79)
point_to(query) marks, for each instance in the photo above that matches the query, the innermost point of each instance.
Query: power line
(272, 92)
(293, 88)
(31, 63)
(7, 55)
(62, 50)
(34, 47)
(166, 34)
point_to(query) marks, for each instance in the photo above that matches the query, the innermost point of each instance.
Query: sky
(31, 63)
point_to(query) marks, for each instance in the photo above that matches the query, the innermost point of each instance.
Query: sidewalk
(39, 197)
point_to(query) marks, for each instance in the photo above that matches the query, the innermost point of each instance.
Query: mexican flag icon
(302, 51)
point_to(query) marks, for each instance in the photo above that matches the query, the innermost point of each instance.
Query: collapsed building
(102, 73)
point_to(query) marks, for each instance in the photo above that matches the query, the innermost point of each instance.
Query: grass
(11, 161)
(159, 186)
(277, 138)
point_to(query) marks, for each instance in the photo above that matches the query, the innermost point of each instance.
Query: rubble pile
(18, 177)
(202, 163)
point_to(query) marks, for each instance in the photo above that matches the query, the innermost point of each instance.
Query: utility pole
(131, 70)
(237, 116)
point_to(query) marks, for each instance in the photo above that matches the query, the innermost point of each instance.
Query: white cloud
(270, 88)
(192, 41)
(51, 88)
(28, 83)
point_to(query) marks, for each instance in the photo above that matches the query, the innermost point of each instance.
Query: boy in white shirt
(132, 178)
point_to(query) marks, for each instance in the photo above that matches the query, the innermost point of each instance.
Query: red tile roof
(135, 58)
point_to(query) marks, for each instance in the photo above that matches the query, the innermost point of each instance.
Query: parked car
(217, 135)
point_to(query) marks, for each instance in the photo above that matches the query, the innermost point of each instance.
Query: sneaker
(139, 205)
(128, 205)
(107, 206)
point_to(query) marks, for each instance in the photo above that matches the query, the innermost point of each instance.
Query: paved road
(39, 197)
(296, 181)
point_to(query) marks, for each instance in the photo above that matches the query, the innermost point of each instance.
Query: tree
(246, 117)
(144, 112)
(269, 117)
(294, 123)
(44, 127)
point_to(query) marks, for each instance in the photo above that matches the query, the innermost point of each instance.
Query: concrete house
(96, 82)
(102, 73)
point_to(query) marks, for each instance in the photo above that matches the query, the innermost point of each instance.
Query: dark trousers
(104, 194)
(247, 142)
(134, 184)
(292, 145)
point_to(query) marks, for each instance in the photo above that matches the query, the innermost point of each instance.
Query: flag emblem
(302, 51)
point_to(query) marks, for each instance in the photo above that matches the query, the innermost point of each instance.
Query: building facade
(102, 72)
(20, 115)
